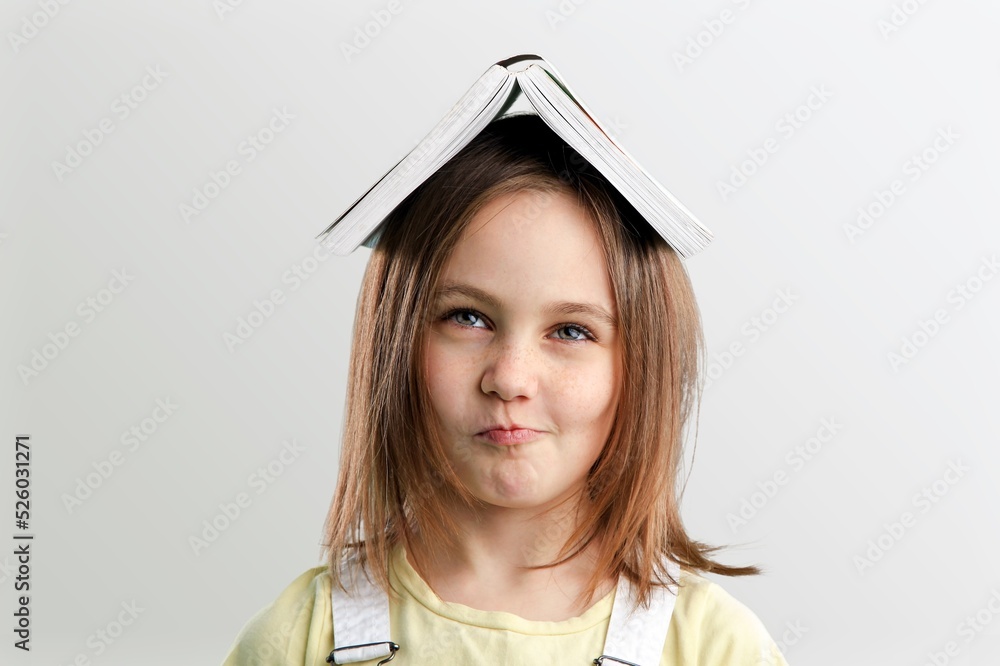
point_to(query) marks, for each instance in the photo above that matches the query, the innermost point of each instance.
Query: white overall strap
(636, 636)
(360, 620)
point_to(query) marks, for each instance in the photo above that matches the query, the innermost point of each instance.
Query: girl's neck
(487, 570)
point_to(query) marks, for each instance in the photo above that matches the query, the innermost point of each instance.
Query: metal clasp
(600, 660)
(392, 651)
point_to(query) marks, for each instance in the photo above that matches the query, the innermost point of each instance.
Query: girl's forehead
(522, 250)
(530, 218)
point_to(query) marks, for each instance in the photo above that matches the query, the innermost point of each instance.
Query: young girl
(525, 358)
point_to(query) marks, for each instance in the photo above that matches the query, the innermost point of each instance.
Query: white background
(854, 300)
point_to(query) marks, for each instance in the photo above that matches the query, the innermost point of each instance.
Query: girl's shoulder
(712, 626)
(291, 627)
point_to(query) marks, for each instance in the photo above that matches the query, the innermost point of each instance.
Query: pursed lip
(506, 436)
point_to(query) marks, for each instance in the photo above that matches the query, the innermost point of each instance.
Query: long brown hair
(395, 479)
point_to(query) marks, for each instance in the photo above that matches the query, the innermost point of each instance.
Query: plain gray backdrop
(844, 155)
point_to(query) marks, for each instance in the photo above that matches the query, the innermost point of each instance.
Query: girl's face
(520, 335)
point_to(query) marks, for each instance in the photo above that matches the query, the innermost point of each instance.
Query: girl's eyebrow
(559, 308)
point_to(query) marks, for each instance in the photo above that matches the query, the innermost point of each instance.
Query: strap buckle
(600, 660)
(392, 647)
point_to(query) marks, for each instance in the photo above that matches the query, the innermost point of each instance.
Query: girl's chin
(516, 496)
(515, 483)
(512, 482)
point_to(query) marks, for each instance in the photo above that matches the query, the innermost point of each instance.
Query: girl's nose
(511, 372)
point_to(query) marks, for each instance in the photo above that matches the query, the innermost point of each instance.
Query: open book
(493, 96)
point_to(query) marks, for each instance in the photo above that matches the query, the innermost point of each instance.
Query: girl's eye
(584, 334)
(458, 314)
(473, 314)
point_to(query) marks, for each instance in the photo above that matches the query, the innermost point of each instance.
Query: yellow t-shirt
(708, 628)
